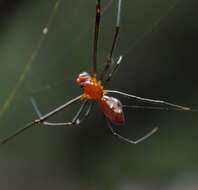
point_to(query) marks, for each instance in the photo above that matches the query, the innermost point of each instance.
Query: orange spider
(93, 91)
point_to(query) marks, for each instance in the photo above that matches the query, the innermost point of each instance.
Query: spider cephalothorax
(93, 89)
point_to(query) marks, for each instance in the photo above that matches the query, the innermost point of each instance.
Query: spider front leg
(96, 34)
(114, 69)
(110, 59)
(41, 119)
(76, 119)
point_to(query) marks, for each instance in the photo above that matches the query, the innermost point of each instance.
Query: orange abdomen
(112, 109)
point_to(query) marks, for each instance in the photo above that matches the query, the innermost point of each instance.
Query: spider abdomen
(112, 109)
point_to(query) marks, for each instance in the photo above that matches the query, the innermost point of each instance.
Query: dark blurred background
(158, 39)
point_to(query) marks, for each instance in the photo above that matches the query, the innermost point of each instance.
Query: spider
(94, 91)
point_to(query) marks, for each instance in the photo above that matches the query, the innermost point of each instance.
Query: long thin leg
(129, 140)
(77, 122)
(34, 104)
(157, 108)
(96, 32)
(87, 113)
(16, 133)
(149, 100)
(115, 37)
(40, 119)
(114, 69)
(117, 28)
(76, 119)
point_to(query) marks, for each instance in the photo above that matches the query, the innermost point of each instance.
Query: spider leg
(150, 100)
(110, 59)
(40, 120)
(76, 119)
(96, 32)
(87, 113)
(114, 69)
(34, 104)
(157, 108)
(129, 140)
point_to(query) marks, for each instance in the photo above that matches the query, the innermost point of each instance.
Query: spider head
(83, 78)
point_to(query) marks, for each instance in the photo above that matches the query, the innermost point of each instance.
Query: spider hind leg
(154, 130)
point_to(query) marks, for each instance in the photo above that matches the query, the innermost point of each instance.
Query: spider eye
(84, 74)
(82, 77)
